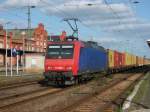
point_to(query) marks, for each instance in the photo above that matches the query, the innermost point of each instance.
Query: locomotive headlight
(69, 68)
(49, 67)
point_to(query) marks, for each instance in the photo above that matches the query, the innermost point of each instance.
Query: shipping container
(146, 61)
(134, 60)
(127, 59)
(140, 61)
(110, 58)
(123, 59)
(137, 61)
(118, 59)
(92, 60)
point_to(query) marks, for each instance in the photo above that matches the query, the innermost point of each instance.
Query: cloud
(20, 3)
(115, 19)
(112, 18)
(16, 4)
(12, 24)
(2, 21)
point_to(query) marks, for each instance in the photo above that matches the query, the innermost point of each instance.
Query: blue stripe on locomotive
(92, 60)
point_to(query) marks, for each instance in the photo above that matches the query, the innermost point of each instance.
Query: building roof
(1, 32)
(17, 33)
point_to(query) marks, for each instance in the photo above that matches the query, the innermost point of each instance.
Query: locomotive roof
(70, 40)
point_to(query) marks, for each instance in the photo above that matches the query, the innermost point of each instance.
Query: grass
(119, 109)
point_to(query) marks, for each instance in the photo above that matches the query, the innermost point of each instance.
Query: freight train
(70, 61)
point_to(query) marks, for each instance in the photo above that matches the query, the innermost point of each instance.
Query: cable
(130, 32)
(64, 13)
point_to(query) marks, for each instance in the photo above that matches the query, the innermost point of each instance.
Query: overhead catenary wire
(114, 13)
(119, 18)
(66, 14)
(15, 15)
(137, 33)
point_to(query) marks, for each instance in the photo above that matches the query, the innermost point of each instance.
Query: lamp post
(11, 53)
(6, 25)
(23, 33)
(29, 15)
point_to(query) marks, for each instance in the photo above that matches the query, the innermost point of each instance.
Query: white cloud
(2, 21)
(12, 24)
(116, 19)
(10, 4)
(19, 3)
(111, 18)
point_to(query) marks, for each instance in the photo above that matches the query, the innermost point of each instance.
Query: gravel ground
(142, 110)
(19, 90)
(6, 80)
(58, 101)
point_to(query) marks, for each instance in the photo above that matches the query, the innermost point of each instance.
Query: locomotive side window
(60, 51)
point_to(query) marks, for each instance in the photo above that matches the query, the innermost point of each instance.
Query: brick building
(35, 41)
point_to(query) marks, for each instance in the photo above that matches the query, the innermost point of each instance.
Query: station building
(30, 41)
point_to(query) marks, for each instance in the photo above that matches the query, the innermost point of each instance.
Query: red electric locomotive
(70, 61)
(61, 61)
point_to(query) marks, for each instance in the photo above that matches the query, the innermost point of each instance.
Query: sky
(116, 24)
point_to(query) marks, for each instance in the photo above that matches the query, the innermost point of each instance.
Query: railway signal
(15, 53)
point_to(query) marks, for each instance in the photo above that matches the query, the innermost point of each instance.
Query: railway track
(20, 100)
(11, 95)
(11, 101)
(100, 101)
(20, 84)
(17, 99)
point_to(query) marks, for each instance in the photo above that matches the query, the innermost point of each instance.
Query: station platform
(2, 69)
(141, 101)
(142, 110)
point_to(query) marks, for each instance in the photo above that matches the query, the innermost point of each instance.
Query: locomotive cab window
(60, 51)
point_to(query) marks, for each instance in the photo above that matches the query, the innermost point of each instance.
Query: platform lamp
(23, 33)
(148, 42)
(6, 25)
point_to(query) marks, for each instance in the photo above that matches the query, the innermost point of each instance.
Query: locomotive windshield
(60, 51)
